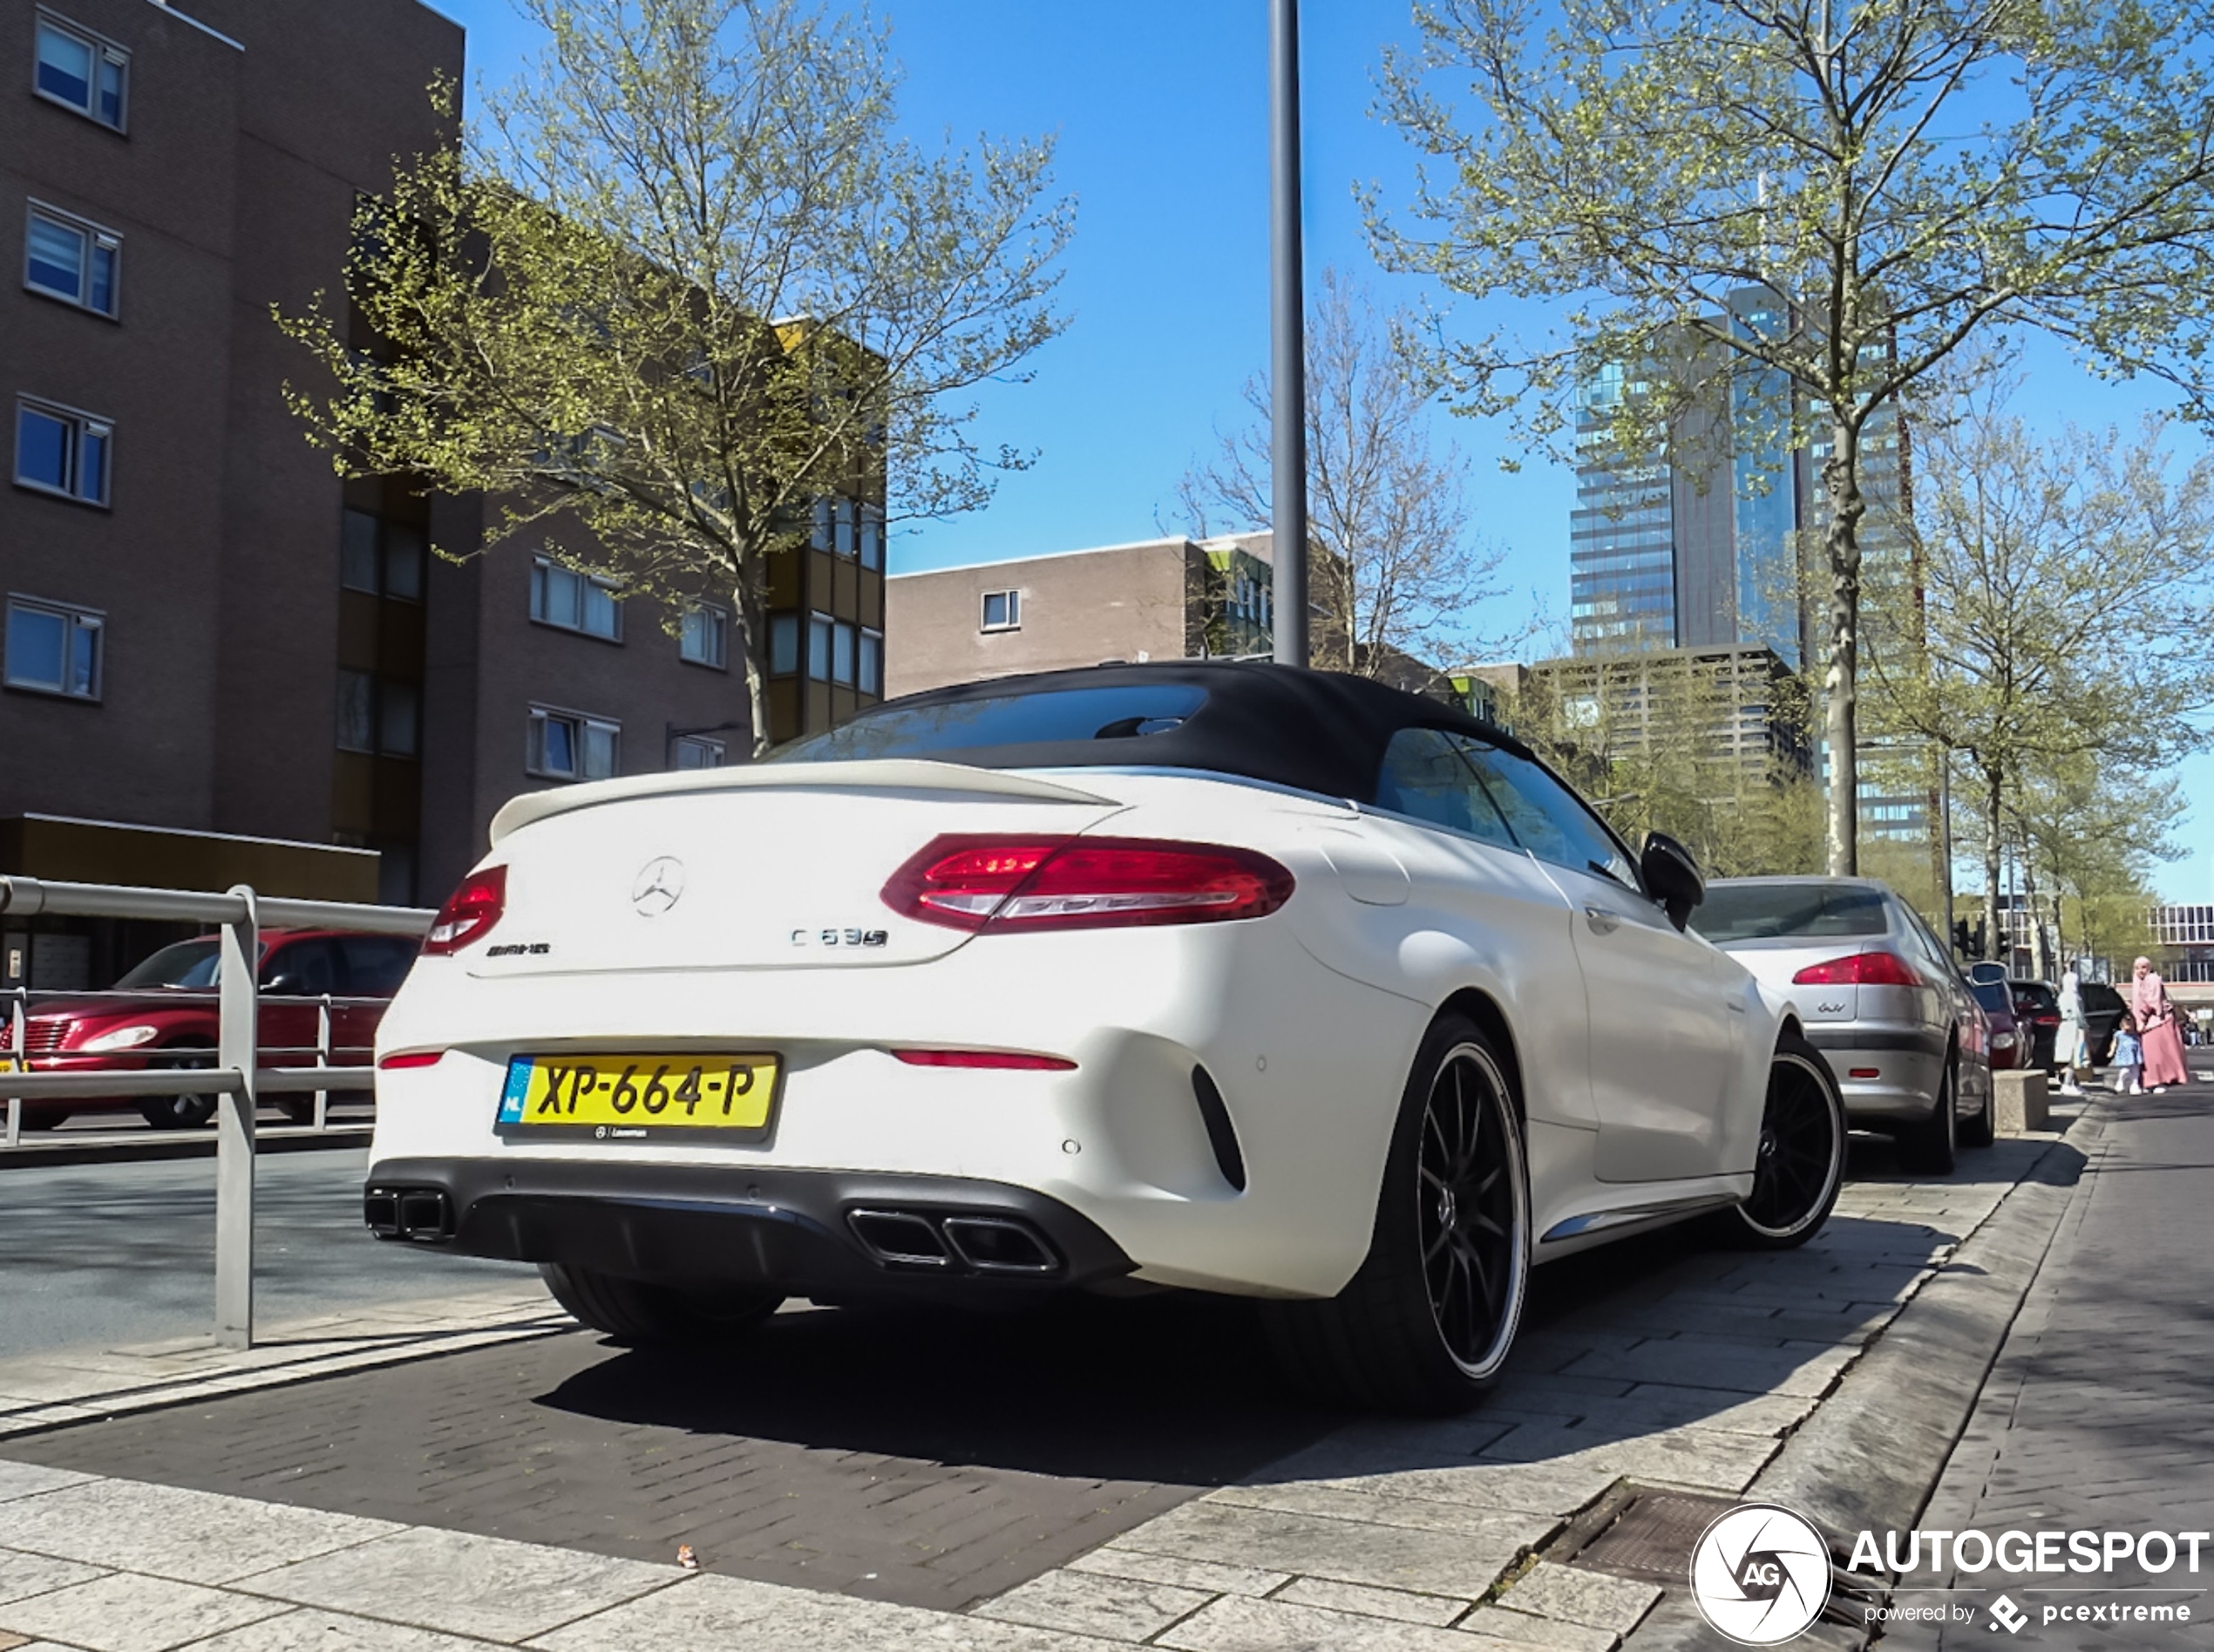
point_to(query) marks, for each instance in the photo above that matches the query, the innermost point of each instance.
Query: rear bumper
(1900, 1069)
(834, 1235)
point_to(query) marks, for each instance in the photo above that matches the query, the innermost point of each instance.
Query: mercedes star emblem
(660, 884)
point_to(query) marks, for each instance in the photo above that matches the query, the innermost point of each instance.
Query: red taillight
(973, 882)
(411, 1058)
(469, 912)
(1006, 1060)
(1862, 969)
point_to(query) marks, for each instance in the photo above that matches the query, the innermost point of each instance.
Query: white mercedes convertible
(1214, 977)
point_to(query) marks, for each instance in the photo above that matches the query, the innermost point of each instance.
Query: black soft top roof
(1322, 731)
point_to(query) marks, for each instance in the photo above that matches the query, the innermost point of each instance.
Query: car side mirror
(1672, 877)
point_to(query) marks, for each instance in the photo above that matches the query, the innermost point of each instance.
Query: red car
(2009, 1043)
(172, 1019)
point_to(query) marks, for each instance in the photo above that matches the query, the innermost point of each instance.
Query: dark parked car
(169, 1019)
(2037, 1009)
(2102, 1008)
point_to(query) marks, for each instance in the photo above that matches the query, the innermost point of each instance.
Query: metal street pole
(1287, 315)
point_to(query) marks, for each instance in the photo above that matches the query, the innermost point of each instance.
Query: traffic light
(1967, 938)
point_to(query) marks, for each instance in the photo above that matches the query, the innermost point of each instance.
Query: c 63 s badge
(839, 937)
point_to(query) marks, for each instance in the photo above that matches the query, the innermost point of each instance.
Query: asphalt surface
(2095, 1417)
(102, 1254)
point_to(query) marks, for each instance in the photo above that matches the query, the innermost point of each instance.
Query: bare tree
(1392, 566)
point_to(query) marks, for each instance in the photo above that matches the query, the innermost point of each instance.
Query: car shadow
(1173, 1389)
(1182, 1390)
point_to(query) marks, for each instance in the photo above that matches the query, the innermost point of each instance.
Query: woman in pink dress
(2156, 1028)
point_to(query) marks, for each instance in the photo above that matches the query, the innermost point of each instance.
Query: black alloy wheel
(1431, 1316)
(1800, 1163)
(1469, 1210)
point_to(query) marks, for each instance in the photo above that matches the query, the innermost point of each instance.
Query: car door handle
(1602, 921)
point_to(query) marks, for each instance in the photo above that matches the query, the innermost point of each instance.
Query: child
(2129, 1056)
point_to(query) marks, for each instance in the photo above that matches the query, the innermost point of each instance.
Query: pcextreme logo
(1760, 1574)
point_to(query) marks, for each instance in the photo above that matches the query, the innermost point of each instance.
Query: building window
(871, 679)
(60, 451)
(574, 601)
(82, 71)
(1002, 611)
(53, 648)
(69, 258)
(378, 715)
(566, 745)
(356, 711)
(381, 557)
(820, 627)
(694, 752)
(842, 635)
(784, 644)
(872, 536)
(705, 636)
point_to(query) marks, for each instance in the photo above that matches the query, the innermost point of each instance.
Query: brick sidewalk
(1657, 1361)
(2095, 1417)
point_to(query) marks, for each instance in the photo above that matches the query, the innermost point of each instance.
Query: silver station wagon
(1880, 995)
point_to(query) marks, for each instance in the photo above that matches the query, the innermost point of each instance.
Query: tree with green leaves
(680, 283)
(2053, 620)
(1394, 566)
(1894, 178)
(1654, 740)
(2088, 833)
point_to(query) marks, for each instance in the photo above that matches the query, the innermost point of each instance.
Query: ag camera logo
(1760, 1574)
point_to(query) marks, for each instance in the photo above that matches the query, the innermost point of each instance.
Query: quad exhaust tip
(419, 1215)
(1000, 1245)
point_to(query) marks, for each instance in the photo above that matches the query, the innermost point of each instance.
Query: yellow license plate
(730, 1097)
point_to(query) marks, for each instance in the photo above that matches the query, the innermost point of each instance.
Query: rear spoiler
(912, 776)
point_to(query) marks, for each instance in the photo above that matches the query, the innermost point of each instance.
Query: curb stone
(1871, 1455)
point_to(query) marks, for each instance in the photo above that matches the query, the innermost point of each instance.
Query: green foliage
(1653, 752)
(1905, 174)
(685, 279)
(2050, 630)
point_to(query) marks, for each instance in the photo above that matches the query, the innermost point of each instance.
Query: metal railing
(237, 1080)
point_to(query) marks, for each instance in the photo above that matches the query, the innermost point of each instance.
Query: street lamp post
(1288, 320)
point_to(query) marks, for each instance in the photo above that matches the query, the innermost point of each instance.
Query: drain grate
(1646, 1534)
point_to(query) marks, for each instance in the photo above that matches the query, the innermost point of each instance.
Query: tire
(1801, 1164)
(1428, 1321)
(297, 1110)
(644, 1314)
(1982, 1130)
(180, 1113)
(1930, 1148)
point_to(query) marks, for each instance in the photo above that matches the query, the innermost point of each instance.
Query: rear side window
(1770, 911)
(1546, 817)
(1427, 774)
(1121, 712)
(2036, 997)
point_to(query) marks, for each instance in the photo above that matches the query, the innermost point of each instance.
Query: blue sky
(1160, 108)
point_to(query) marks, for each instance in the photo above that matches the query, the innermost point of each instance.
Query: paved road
(100, 1255)
(936, 1459)
(2095, 1416)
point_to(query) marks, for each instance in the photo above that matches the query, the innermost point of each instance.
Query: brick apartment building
(1165, 599)
(218, 663)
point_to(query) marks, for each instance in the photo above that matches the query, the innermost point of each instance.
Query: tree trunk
(1840, 685)
(753, 638)
(1994, 930)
